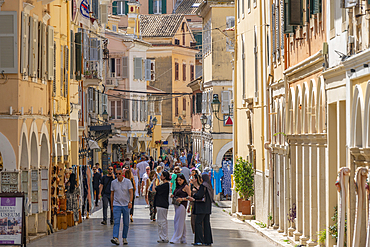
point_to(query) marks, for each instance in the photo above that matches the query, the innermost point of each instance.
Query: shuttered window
(42, 52)
(295, 12)
(176, 71)
(273, 31)
(118, 67)
(61, 80)
(282, 28)
(243, 65)
(51, 53)
(124, 67)
(113, 109)
(287, 27)
(225, 101)
(25, 43)
(66, 70)
(119, 109)
(192, 73)
(78, 53)
(184, 104)
(103, 13)
(277, 29)
(210, 98)
(176, 107)
(34, 28)
(198, 103)
(184, 72)
(125, 108)
(54, 70)
(138, 68)
(148, 66)
(164, 6)
(72, 55)
(315, 6)
(151, 10)
(8, 42)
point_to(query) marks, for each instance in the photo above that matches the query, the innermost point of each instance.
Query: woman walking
(135, 172)
(181, 193)
(202, 209)
(128, 175)
(194, 186)
(151, 194)
(161, 204)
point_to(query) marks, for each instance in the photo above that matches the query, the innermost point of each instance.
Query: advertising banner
(11, 219)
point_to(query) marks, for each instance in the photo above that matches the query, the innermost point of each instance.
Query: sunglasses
(119, 173)
(110, 169)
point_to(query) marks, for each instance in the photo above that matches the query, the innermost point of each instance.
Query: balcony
(93, 73)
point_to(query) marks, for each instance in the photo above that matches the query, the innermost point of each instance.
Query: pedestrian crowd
(172, 180)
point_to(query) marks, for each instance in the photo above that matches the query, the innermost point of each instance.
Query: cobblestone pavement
(227, 231)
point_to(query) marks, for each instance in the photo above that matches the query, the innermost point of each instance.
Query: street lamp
(105, 115)
(155, 121)
(215, 104)
(179, 120)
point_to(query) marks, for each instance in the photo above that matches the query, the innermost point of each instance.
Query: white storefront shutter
(8, 42)
(225, 101)
(25, 42)
(50, 53)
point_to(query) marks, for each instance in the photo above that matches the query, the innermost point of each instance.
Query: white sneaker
(125, 241)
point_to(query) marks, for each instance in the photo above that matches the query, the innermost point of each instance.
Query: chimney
(133, 28)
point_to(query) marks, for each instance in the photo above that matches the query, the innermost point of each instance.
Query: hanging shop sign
(12, 227)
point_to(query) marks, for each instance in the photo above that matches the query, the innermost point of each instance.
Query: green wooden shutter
(296, 13)
(114, 8)
(150, 6)
(78, 54)
(316, 6)
(126, 7)
(164, 6)
(287, 28)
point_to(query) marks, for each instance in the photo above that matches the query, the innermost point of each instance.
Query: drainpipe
(50, 135)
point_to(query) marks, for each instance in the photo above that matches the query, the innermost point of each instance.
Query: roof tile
(165, 25)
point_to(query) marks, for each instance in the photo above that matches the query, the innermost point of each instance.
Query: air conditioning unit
(112, 74)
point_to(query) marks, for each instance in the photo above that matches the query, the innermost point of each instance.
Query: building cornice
(307, 67)
(358, 59)
(215, 83)
(334, 71)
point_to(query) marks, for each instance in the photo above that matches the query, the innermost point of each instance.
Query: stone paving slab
(227, 231)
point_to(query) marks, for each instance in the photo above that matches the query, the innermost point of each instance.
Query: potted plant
(244, 184)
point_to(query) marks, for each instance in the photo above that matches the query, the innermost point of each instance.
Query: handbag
(175, 202)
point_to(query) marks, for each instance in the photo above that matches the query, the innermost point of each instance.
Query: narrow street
(227, 231)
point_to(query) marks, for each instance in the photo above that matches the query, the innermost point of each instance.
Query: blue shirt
(183, 159)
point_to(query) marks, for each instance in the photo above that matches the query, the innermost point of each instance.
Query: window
(114, 28)
(176, 107)
(152, 70)
(116, 109)
(192, 72)
(184, 104)
(124, 67)
(183, 33)
(243, 8)
(138, 68)
(243, 65)
(125, 107)
(198, 103)
(112, 67)
(177, 42)
(113, 109)
(207, 39)
(119, 7)
(134, 110)
(157, 7)
(176, 71)
(184, 72)
(118, 67)
(158, 106)
(8, 40)
(225, 101)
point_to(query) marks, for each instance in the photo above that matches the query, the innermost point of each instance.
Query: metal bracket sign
(12, 225)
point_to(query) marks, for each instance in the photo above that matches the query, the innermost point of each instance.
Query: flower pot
(246, 207)
(240, 205)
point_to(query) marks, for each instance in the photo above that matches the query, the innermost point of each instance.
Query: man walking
(122, 195)
(142, 169)
(105, 185)
(183, 158)
(96, 184)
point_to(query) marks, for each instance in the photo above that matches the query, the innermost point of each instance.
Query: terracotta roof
(187, 7)
(165, 25)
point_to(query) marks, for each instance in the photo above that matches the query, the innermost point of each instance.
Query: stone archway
(356, 118)
(222, 152)
(7, 155)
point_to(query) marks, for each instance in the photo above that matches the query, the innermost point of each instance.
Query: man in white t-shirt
(145, 184)
(186, 171)
(142, 166)
(121, 198)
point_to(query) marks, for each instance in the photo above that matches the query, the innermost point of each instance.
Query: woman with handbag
(180, 200)
(202, 209)
(194, 186)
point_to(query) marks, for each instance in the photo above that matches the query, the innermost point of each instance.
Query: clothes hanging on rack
(227, 168)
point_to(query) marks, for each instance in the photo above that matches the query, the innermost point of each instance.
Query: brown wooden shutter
(176, 107)
(176, 71)
(184, 72)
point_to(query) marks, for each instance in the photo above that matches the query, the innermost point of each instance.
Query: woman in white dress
(181, 193)
(135, 172)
